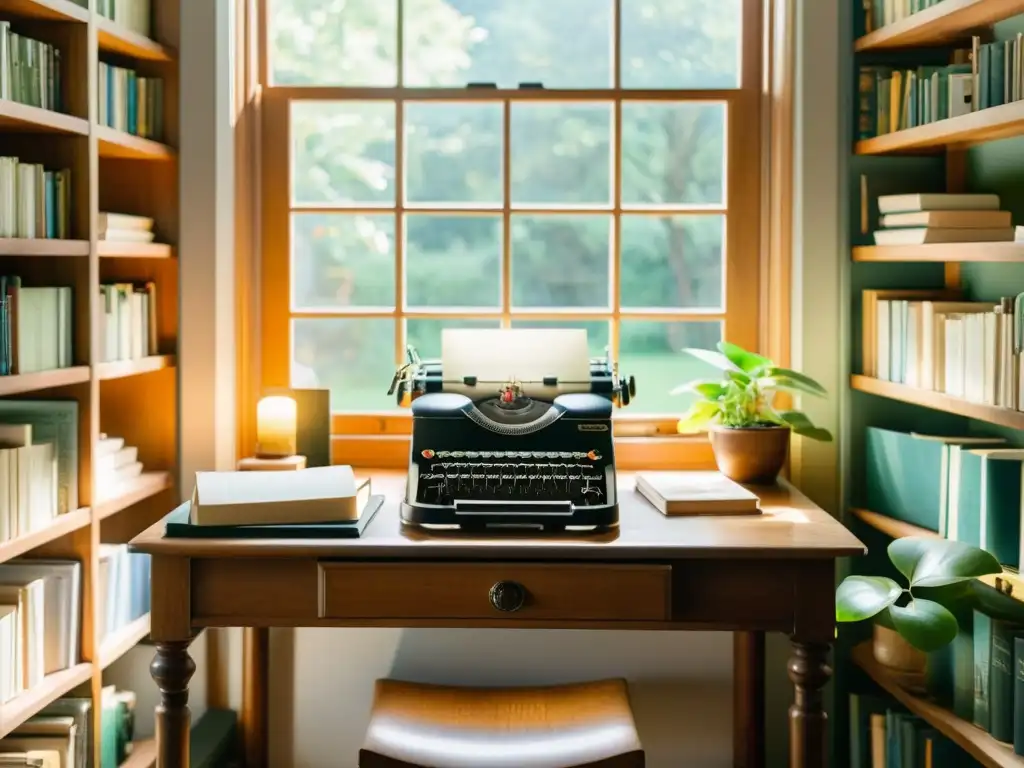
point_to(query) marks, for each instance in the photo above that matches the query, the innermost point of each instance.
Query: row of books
(28, 482)
(884, 734)
(123, 588)
(34, 202)
(60, 735)
(127, 321)
(919, 219)
(29, 70)
(129, 102)
(890, 99)
(937, 341)
(35, 327)
(999, 74)
(881, 13)
(40, 621)
(130, 14)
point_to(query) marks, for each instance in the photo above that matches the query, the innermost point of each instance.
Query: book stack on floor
(38, 463)
(123, 588)
(883, 734)
(942, 218)
(34, 202)
(128, 323)
(130, 103)
(35, 327)
(29, 70)
(939, 341)
(40, 621)
(124, 228)
(117, 465)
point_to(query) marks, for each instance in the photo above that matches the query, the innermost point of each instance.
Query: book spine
(1018, 696)
(982, 648)
(1001, 681)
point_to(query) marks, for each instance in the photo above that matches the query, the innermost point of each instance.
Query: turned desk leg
(171, 670)
(808, 721)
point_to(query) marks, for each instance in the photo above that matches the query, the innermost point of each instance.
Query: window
(507, 163)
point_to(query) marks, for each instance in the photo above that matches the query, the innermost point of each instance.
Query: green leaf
(745, 361)
(709, 356)
(924, 624)
(712, 390)
(928, 562)
(789, 379)
(861, 597)
(699, 415)
(739, 377)
(802, 425)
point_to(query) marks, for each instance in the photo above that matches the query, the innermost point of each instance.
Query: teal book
(982, 649)
(951, 671)
(987, 509)
(1018, 695)
(1001, 680)
(862, 707)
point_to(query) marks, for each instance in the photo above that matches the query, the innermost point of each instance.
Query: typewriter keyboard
(577, 478)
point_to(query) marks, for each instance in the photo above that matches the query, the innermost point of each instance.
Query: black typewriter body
(488, 454)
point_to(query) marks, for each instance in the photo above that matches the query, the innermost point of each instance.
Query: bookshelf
(982, 253)
(133, 398)
(945, 22)
(939, 401)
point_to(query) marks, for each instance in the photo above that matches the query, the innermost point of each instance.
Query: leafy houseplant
(920, 613)
(749, 437)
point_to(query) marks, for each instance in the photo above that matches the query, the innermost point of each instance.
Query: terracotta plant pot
(750, 454)
(908, 665)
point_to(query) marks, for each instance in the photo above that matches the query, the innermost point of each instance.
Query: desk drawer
(512, 591)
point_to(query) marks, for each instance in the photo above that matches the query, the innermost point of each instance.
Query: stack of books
(117, 465)
(34, 202)
(128, 321)
(124, 228)
(130, 103)
(942, 218)
(62, 728)
(29, 70)
(35, 327)
(40, 613)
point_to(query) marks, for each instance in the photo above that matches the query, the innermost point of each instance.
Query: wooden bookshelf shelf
(22, 707)
(143, 755)
(942, 252)
(61, 525)
(42, 246)
(32, 382)
(113, 38)
(122, 368)
(141, 488)
(986, 125)
(116, 249)
(119, 643)
(944, 22)
(118, 144)
(49, 10)
(25, 119)
(982, 747)
(938, 401)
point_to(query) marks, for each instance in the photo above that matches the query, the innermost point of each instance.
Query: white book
(930, 235)
(937, 202)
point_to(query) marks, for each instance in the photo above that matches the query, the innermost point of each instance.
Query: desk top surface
(790, 527)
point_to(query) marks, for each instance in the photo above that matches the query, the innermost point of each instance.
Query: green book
(987, 510)
(982, 650)
(1018, 696)
(1001, 680)
(861, 708)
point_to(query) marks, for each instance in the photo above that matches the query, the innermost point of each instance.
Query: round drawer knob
(507, 596)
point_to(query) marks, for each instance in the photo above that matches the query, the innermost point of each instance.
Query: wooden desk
(773, 572)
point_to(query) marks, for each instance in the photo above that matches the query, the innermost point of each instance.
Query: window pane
(343, 260)
(681, 43)
(425, 333)
(597, 331)
(561, 154)
(562, 44)
(650, 351)
(453, 261)
(353, 357)
(672, 262)
(453, 153)
(344, 153)
(673, 153)
(561, 261)
(320, 42)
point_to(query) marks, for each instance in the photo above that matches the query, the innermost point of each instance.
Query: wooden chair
(588, 725)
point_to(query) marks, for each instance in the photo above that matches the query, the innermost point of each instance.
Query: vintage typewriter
(522, 452)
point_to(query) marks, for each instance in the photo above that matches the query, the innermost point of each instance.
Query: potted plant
(912, 621)
(749, 437)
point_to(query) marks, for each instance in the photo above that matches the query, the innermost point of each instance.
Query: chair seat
(587, 725)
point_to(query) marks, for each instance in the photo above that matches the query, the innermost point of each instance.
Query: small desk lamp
(276, 417)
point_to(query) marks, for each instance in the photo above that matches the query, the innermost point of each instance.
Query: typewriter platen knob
(507, 596)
